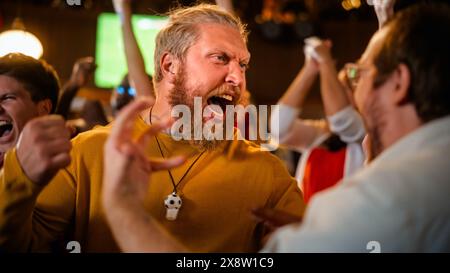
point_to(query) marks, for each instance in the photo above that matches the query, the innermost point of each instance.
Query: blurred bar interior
(68, 31)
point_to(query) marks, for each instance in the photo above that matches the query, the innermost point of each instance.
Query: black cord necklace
(173, 201)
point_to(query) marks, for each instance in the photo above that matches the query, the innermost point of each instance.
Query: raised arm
(384, 9)
(293, 132)
(42, 150)
(135, 60)
(226, 5)
(342, 117)
(296, 94)
(333, 93)
(82, 70)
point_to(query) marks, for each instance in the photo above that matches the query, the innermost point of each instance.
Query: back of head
(122, 95)
(181, 32)
(37, 77)
(419, 38)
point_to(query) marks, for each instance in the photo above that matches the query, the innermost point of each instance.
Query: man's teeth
(227, 97)
(4, 122)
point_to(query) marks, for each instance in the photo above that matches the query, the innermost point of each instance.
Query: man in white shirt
(400, 202)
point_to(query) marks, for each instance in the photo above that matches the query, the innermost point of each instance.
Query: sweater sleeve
(286, 195)
(32, 217)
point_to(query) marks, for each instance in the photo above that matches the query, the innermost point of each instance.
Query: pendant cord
(162, 154)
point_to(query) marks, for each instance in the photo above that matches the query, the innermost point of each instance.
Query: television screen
(109, 52)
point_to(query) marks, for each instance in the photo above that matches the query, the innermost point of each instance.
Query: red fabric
(323, 170)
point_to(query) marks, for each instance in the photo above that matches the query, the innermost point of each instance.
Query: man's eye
(8, 97)
(222, 58)
(244, 66)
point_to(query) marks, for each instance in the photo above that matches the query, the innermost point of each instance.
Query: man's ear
(403, 82)
(169, 66)
(44, 107)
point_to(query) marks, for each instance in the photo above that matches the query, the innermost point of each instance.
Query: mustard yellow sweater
(218, 194)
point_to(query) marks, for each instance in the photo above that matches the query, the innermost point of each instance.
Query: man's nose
(236, 75)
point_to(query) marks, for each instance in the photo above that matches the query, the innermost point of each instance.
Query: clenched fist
(43, 148)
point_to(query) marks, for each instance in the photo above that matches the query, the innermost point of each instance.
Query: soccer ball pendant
(173, 204)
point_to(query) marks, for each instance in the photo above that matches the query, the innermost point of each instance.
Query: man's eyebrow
(247, 59)
(8, 92)
(222, 51)
(217, 50)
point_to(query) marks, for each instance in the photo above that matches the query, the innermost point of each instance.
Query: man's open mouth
(5, 128)
(221, 100)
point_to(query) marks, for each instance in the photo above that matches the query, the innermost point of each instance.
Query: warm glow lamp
(19, 40)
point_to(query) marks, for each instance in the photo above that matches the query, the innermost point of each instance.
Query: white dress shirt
(400, 202)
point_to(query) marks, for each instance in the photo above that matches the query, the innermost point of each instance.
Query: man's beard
(374, 121)
(179, 96)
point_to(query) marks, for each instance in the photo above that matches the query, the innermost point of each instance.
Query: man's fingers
(47, 121)
(124, 122)
(88, 59)
(57, 146)
(43, 129)
(132, 151)
(57, 132)
(135, 152)
(61, 160)
(270, 226)
(153, 130)
(275, 217)
(160, 165)
(262, 214)
(71, 129)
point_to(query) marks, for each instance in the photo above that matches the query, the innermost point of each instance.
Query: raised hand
(317, 53)
(310, 64)
(82, 70)
(384, 10)
(43, 148)
(323, 51)
(226, 5)
(122, 6)
(127, 170)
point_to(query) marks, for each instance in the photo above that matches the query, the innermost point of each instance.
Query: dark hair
(419, 38)
(37, 77)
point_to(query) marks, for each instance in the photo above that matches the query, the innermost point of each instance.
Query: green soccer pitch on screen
(109, 52)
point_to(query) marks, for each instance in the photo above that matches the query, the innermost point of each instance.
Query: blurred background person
(331, 149)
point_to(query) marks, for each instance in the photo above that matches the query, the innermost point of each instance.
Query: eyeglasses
(353, 74)
(129, 90)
